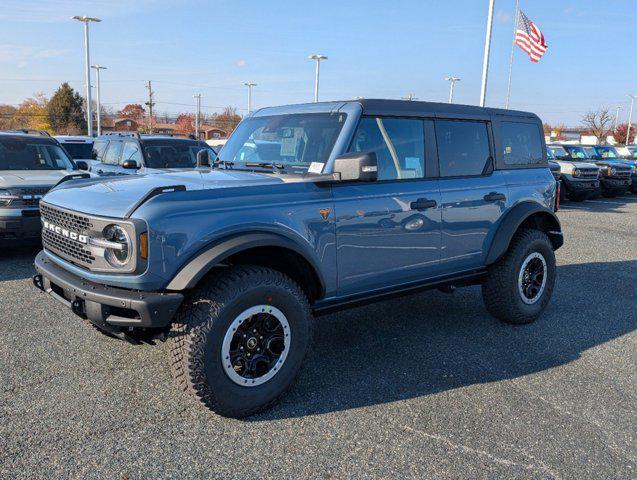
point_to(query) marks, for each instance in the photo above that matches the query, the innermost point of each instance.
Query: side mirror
(203, 158)
(357, 166)
(81, 165)
(129, 164)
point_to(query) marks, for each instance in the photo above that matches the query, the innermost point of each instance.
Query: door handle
(494, 197)
(423, 204)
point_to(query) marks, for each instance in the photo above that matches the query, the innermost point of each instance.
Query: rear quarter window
(521, 143)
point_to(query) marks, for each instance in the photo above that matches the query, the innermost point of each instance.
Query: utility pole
(318, 59)
(410, 97)
(150, 104)
(630, 117)
(87, 72)
(616, 117)
(452, 81)
(198, 99)
(487, 48)
(99, 108)
(250, 85)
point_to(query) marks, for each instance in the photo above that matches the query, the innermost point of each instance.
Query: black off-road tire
(201, 323)
(500, 289)
(578, 197)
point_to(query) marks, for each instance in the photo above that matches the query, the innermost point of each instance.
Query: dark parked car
(313, 208)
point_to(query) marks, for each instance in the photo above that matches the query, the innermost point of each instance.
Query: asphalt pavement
(427, 386)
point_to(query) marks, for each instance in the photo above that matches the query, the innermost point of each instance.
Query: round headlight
(119, 256)
(576, 172)
(613, 171)
(5, 198)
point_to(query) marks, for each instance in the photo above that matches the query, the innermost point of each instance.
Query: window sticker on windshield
(507, 150)
(288, 147)
(315, 167)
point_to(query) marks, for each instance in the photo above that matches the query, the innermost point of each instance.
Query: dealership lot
(424, 385)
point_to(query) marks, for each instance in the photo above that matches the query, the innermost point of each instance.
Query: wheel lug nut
(240, 348)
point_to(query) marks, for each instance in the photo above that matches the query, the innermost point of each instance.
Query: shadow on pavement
(16, 263)
(602, 204)
(433, 342)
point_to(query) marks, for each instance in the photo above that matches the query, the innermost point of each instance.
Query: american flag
(529, 37)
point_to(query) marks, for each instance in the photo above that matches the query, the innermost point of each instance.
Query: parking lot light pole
(452, 81)
(630, 117)
(487, 48)
(198, 99)
(250, 85)
(99, 108)
(318, 59)
(89, 114)
(616, 116)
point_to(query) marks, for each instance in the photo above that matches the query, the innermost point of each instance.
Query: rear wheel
(519, 286)
(239, 340)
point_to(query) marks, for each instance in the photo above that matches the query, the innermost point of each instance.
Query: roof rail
(28, 131)
(121, 134)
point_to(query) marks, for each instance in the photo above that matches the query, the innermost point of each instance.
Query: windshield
(607, 152)
(79, 150)
(173, 153)
(558, 152)
(29, 154)
(290, 142)
(577, 153)
(632, 151)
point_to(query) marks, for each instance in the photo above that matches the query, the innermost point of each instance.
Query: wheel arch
(264, 249)
(524, 215)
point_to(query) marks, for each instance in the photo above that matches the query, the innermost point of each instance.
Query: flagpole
(485, 61)
(515, 27)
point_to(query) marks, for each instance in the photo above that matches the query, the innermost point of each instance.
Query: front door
(388, 231)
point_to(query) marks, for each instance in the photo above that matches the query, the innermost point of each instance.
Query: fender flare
(512, 221)
(198, 266)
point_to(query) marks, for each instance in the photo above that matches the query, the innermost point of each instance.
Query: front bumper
(580, 186)
(23, 227)
(633, 185)
(107, 307)
(615, 184)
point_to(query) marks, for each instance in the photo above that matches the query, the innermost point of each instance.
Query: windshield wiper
(225, 163)
(278, 166)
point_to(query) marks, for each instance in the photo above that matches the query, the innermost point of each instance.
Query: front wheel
(239, 340)
(519, 286)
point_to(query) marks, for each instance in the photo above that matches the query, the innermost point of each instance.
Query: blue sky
(377, 49)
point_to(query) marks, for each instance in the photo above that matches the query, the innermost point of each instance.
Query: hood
(576, 164)
(115, 196)
(19, 178)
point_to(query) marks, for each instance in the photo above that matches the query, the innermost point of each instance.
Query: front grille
(72, 221)
(68, 247)
(623, 173)
(588, 172)
(72, 250)
(28, 197)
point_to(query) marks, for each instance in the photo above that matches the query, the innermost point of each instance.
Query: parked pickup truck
(310, 209)
(30, 164)
(580, 179)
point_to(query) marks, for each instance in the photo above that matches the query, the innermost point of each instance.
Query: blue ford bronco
(309, 209)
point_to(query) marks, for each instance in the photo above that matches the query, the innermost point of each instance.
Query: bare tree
(599, 123)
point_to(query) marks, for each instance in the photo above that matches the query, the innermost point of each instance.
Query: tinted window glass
(79, 150)
(522, 144)
(112, 153)
(398, 143)
(27, 154)
(98, 149)
(173, 153)
(463, 147)
(131, 152)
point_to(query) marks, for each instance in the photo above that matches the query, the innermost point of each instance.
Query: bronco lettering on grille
(65, 233)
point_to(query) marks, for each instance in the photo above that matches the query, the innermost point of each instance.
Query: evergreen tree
(65, 110)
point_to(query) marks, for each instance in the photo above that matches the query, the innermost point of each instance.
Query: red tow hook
(558, 192)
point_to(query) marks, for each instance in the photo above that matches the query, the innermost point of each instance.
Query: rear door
(473, 194)
(388, 231)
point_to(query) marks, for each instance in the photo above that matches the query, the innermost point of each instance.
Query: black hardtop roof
(373, 106)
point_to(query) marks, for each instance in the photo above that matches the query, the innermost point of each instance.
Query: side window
(521, 143)
(131, 152)
(111, 157)
(98, 149)
(399, 144)
(463, 147)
